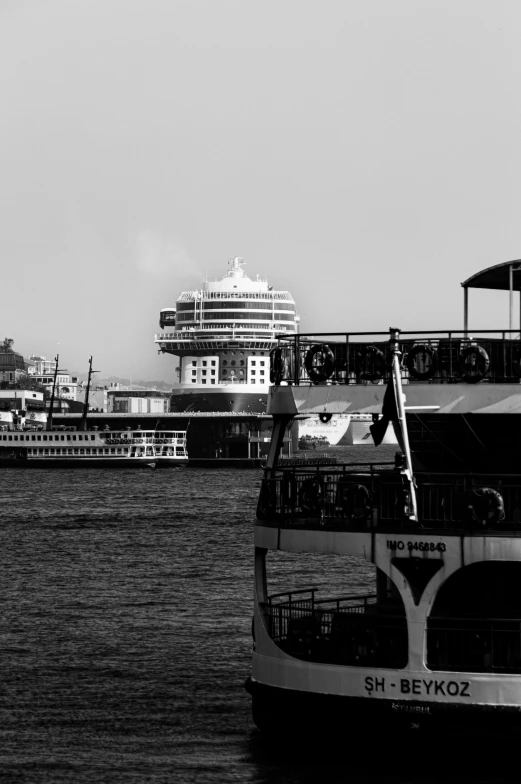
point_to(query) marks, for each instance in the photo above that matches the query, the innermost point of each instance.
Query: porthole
(225, 372)
(233, 362)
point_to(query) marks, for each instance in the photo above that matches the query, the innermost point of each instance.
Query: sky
(363, 155)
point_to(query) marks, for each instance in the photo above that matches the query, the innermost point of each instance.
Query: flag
(389, 414)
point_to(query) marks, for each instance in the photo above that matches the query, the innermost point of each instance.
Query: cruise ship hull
(219, 399)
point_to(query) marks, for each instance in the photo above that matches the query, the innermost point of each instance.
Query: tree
(8, 344)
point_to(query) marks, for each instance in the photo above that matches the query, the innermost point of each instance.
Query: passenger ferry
(70, 448)
(222, 335)
(387, 595)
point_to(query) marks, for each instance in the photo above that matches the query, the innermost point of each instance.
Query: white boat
(332, 430)
(71, 448)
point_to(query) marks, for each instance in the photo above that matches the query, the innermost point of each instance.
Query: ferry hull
(90, 463)
(279, 712)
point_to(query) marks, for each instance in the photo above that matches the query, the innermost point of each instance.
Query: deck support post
(400, 404)
(465, 310)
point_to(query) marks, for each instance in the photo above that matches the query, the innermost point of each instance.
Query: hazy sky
(364, 154)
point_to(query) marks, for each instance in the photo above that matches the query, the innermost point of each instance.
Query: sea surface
(125, 638)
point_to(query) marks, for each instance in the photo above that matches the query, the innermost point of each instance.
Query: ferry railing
(471, 645)
(341, 497)
(352, 629)
(427, 356)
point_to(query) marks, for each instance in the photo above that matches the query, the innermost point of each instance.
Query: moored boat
(410, 616)
(71, 448)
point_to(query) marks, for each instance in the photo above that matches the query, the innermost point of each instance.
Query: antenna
(83, 425)
(56, 371)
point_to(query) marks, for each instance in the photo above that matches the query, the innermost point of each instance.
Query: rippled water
(126, 603)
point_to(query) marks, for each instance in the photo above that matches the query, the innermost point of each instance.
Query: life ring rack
(354, 500)
(370, 363)
(423, 350)
(310, 496)
(490, 507)
(276, 365)
(319, 362)
(474, 371)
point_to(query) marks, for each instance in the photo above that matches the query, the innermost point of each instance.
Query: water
(126, 604)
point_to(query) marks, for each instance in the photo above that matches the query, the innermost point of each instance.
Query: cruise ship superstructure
(222, 335)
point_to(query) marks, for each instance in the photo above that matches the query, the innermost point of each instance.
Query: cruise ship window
(193, 381)
(253, 362)
(213, 362)
(203, 380)
(253, 372)
(203, 372)
(213, 380)
(194, 363)
(194, 372)
(262, 372)
(213, 372)
(261, 381)
(204, 363)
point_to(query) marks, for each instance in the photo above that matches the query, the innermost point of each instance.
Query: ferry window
(75, 451)
(204, 362)
(253, 361)
(62, 438)
(82, 451)
(118, 451)
(92, 438)
(51, 451)
(261, 380)
(106, 451)
(39, 438)
(69, 451)
(253, 372)
(112, 451)
(10, 438)
(194, 363)
(203, 372)
(194, 381)
(262, 372)
(46, 451)
(203, 380)
(213, 380)
(74, 438)
(45, 438)
(213, 362)
(80, 438)
(68, 438)
(194, 372)
(212, 372)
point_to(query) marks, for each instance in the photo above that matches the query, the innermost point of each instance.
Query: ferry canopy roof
(497, 277)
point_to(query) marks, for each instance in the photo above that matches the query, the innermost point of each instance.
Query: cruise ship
(222, 335)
